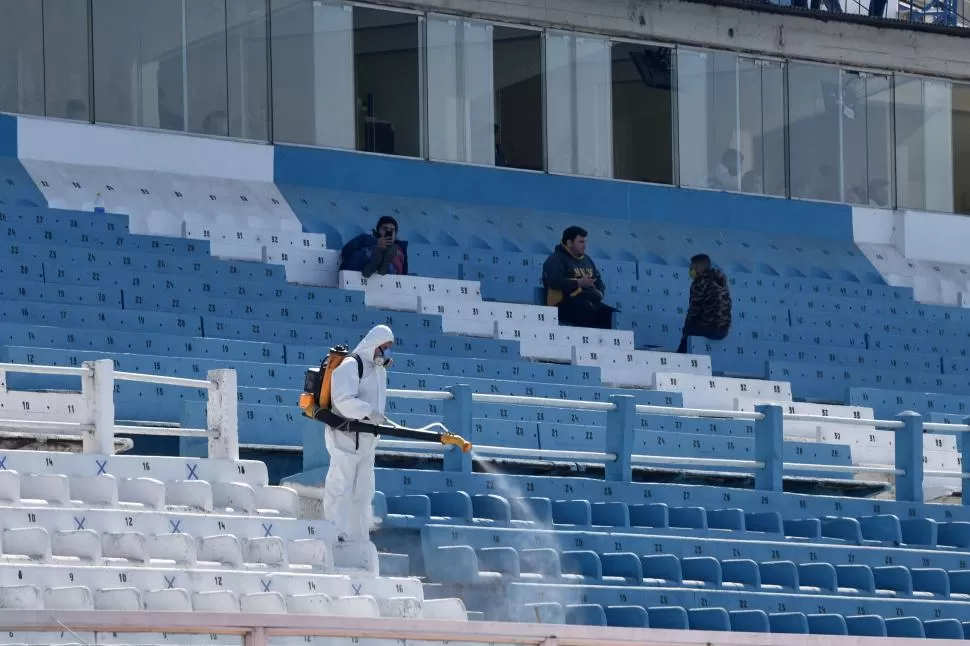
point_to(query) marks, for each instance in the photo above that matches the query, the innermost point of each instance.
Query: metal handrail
(78, 371)
(438, 395)
(521, 400)
(674, 411)
(165, 380)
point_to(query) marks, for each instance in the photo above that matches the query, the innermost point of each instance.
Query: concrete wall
(736, 29)
(299, 167)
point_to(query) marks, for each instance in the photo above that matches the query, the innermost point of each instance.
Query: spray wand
(434, 432)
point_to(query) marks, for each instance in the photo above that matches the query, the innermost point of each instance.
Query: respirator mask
(383, 359)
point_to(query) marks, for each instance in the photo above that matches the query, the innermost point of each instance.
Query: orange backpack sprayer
(316, 402)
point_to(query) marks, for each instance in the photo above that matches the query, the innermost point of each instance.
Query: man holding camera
(378, 252)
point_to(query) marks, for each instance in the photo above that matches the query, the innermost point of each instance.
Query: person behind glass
(573, 284)
(725, 175)
(378, 252)
(709, 312)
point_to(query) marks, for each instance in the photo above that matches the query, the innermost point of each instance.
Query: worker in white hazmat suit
(349, 486)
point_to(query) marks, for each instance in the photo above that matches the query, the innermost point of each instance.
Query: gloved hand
(376, 418)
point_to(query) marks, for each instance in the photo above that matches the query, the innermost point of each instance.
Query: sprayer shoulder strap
(360, 366)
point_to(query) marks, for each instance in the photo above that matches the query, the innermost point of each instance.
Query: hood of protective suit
(379, 335)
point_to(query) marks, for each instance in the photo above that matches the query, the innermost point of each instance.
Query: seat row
(684, 545)
(746, 621)
(790, 506)
(463, 564)
(130, 548)
(31, 586)
(490, 509)
(144, 492)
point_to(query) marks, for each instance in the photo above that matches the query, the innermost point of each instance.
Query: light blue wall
(378, 174)
(16, 186)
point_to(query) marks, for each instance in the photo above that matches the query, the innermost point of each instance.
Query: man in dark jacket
(378, 252)
(709, 313)
(573, 284)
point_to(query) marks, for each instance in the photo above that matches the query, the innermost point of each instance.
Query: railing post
(909, 457)
(769, 443)
(964, 439)
(458, 420)
(98, 394)
(222, 417)
(620, 426)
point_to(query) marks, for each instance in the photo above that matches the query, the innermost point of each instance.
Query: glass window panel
(579, 105)
(774, 142)
(761, 101)
(814, 105)
(855, 129)
(593, 136)
(961, 146)
(460, 97)
(247, 70)
(313, 81)
(387, 63)
(642, 101)
(517, 70)
(752, 123)
(138, 63)
(910, 137)
(66, 59)
(477, 57)
(560, 117)
(938, 119)
(707, 105)
(692, 91)
(924, 146)
(446, 109)
(205, 67)
(879, 140)
(21, 57)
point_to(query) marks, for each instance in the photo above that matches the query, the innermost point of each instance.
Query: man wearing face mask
(709, 312)
(349, 487)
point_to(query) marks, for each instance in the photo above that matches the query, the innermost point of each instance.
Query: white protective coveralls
(349, 487)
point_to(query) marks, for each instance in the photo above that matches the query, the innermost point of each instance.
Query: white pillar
(222, 416)
(97, 392)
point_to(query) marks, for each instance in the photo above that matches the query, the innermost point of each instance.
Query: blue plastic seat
(670, 617)
(715, 619)
(788, 622)
(866, 626)
(587, 614)
(893, 578)
(664, 568)
(943, 629)
(827, 624)
(905, 627)
(783, 574)
(703, 569)
(749, 621)
(744, 572)
(627, 617)
(624, 565)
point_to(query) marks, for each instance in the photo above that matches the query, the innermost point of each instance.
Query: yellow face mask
(692, 273)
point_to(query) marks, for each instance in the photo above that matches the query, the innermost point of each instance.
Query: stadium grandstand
(178, 180)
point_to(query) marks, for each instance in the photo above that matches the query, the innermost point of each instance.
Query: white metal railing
(259, 629)
(92, 416)
(909, 460)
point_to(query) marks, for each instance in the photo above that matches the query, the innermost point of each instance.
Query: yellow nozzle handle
(456, 440)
